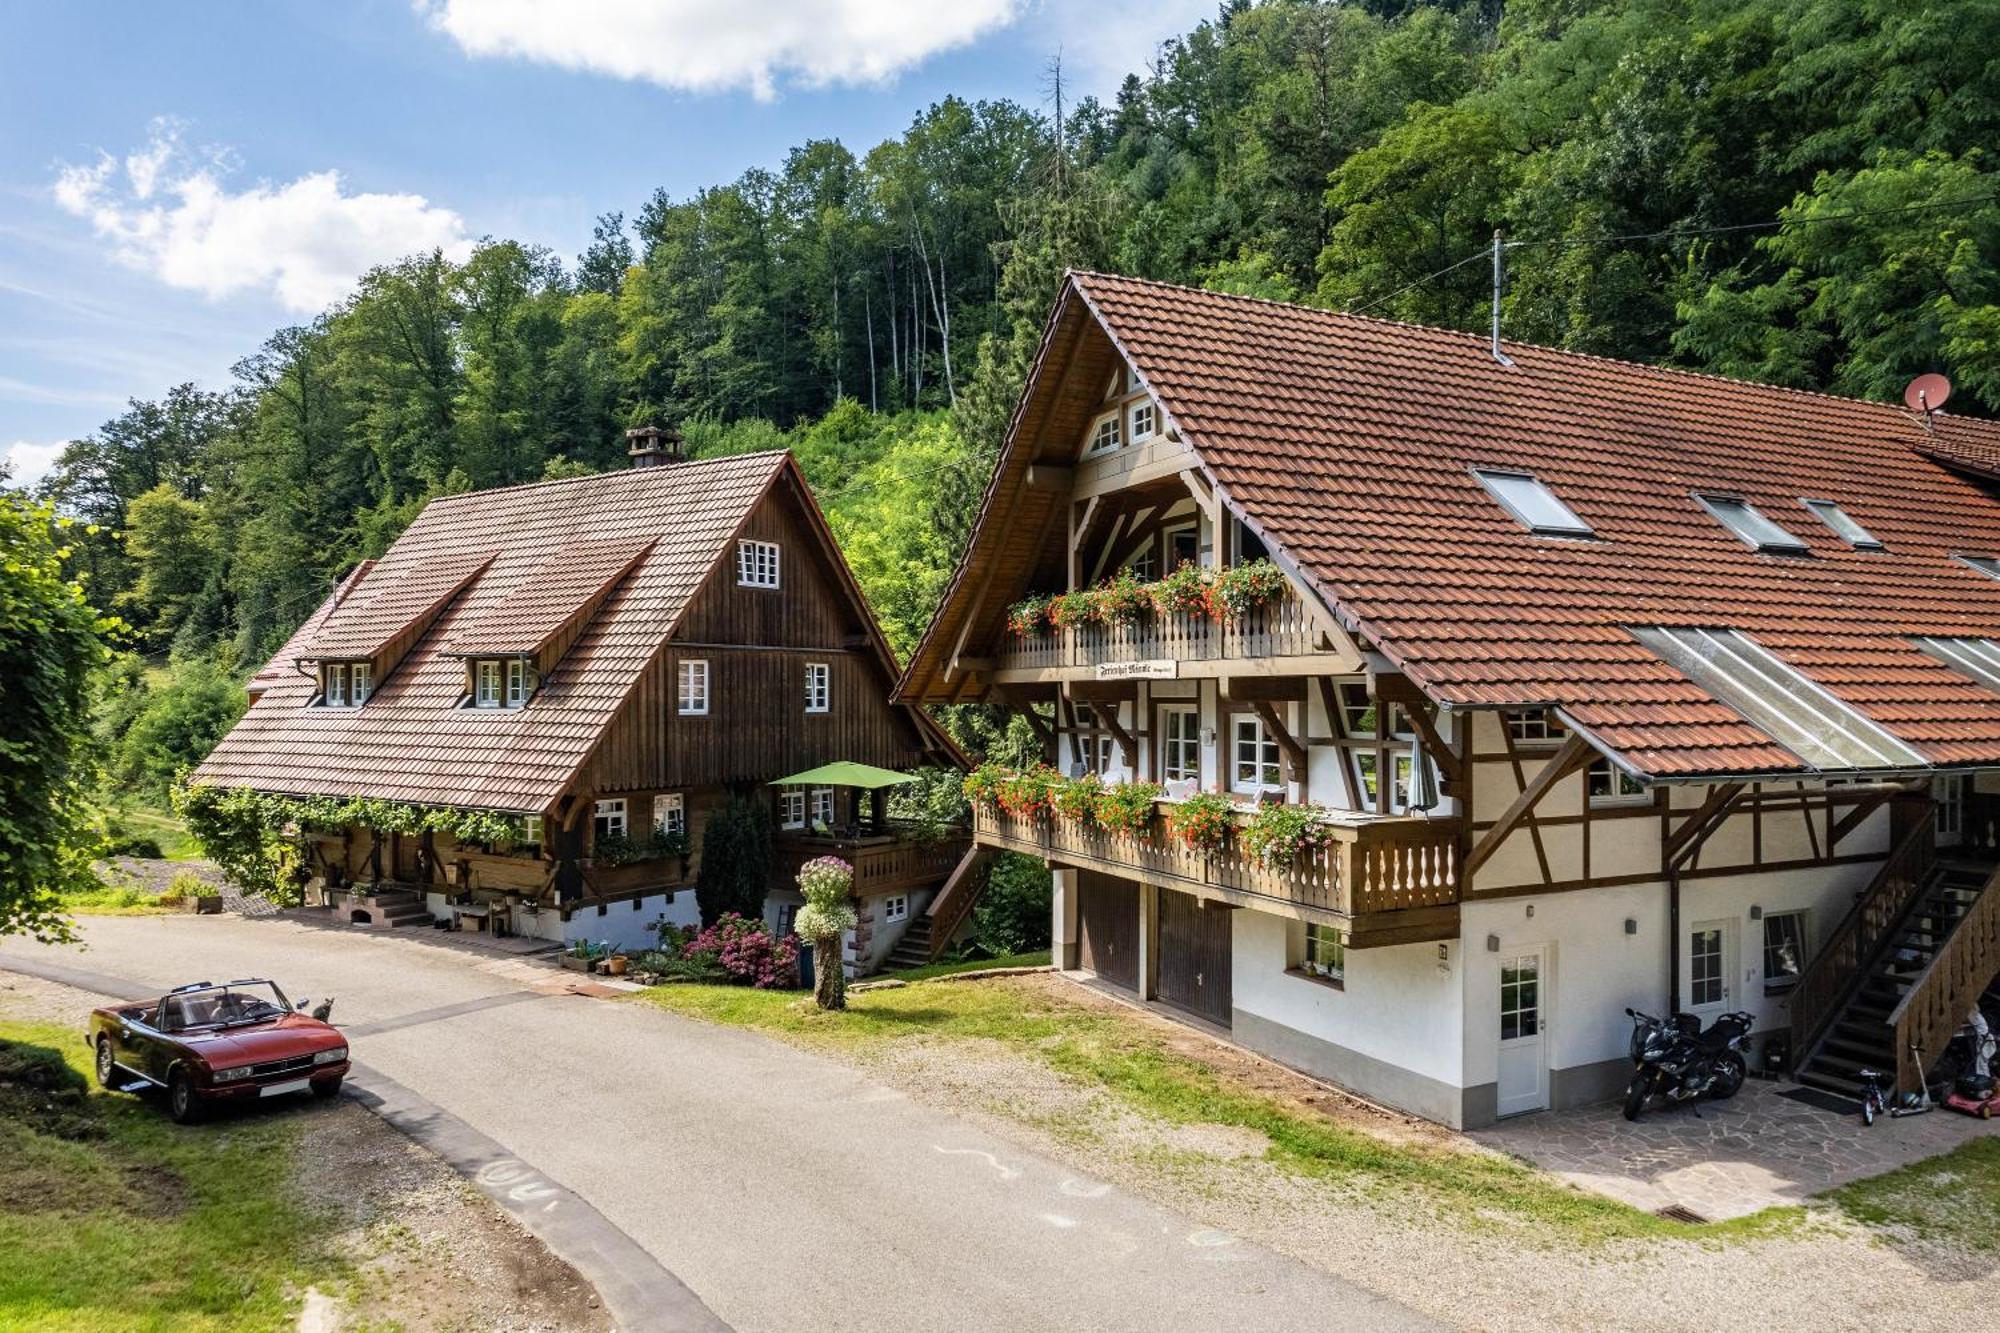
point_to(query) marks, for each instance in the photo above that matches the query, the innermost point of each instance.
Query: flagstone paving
(1725, 1159)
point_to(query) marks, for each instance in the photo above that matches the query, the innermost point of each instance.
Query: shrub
(1277, 834)
(124, 842)
(1187, 590)
(931, 805)
(735, 859)
(1247, 587)
(1203, 821)
(745, 951)
(186, 886)
(1028, 617)
(241, 832)
(1013, 915)
(1126, 807)
(1075, 799)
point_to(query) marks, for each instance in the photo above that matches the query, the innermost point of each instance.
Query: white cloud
(169, 212)
(706, 46)
(1104, 40)
(26, 463)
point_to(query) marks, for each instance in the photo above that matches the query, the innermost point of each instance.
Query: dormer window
(500, 682)
(1845, 528)
(1532, 503)
(346, 684)
(1749, 523)
(1105, 435)
(757, 564)
(1145, 421)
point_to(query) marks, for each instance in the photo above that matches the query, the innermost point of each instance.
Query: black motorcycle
(1677, 1060)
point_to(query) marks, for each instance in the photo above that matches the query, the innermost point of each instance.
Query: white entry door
(1524, 1064)
(1708, 970)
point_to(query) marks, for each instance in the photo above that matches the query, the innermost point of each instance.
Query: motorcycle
(1679, 1061)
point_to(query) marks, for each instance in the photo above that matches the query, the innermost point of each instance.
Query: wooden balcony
(1276, 631)
(896, 861)
(1388, 881)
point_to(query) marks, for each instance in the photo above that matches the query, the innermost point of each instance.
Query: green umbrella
(846, 774)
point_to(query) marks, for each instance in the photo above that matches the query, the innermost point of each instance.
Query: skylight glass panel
(1977, 658)
(1534, 504)
(1819, 728)
(1985, 564)
(1746, 521)
(1844, 527)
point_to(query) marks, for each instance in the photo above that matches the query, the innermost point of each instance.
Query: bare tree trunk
(836, 339)
(829, 973)
(868, 318)
(895, 346)
(939, 308)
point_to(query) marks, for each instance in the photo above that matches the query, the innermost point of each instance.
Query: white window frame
(1150, 412)
(758, 564)
(1107, 435)
(1180, 754)
(1784, 980)
(1268, 757)
(487, 683)
(1531, 726)
(819, 687)
(1324, 954)
(608, 820)
(670, 813)
(1401, 773)
(333, 684)
(819, 807)
(362, 678)
(691, 687)
(1355, 703)
(517, 682)
(532, 829)
(1604, 783)
(792, 808)
(896, 907)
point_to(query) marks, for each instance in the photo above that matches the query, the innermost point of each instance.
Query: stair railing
(1827, 982)
(954, 901)
(1942, 996)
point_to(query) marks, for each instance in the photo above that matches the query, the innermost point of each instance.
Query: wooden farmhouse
(1606, 685)
(610, 657)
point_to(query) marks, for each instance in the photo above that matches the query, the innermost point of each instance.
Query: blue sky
(179, 179)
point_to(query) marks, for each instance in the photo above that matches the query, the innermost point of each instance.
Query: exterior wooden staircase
(913, 947)
(954, 901)
(1902, 971)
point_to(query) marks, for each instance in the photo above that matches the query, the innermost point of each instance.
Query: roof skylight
(1748, 522)
(1977, 658)
(1985, 564)
(1533, 503)
(1844, 527)
(1771, 694)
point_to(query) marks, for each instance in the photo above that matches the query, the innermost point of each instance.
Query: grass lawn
(113, 900)
(1107, 1050)
(1953, 1197)
(114, 1218)
(1039, 958)
(161, 827)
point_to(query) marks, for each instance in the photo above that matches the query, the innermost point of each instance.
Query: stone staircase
(913, 948)
(384, 907)
(1862, 1034)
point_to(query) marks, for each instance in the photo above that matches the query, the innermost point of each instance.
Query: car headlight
(331, 1056)
(232, 1074)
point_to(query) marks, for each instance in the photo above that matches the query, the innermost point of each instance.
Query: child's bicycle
(1874, 1102)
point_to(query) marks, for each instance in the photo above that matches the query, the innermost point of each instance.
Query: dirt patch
(154, 1191)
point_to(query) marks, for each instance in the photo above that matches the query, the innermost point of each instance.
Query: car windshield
(233, 1005)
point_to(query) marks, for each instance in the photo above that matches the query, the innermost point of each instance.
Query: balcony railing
(1370, 866)
(883, 862)
(1279, 628)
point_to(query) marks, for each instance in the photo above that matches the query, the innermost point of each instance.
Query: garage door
(1194, 955)
(1107, 912)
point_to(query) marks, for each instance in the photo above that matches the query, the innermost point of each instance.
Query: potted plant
(1126, 807)
(1187, 591)
(982, 786)
(1024, 793)
(578, 957)
(615, 965)
(1075, 799)
(1085, 606)
(1203, 820)
(1029, 616)
(1123, 600)
(1247, 587)
(1277, 834)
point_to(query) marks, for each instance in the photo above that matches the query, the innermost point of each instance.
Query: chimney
(654, 446)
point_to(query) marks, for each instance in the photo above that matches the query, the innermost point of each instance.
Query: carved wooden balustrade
(1279, 628)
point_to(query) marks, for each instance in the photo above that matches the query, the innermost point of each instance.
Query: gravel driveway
(786, 1190)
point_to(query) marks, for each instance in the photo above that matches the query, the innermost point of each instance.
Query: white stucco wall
(633, 924)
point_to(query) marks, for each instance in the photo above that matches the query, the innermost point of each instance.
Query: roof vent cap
(654, 446)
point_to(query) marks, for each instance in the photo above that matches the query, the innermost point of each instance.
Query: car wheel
(182, 1103)
(107, 1064)
(326, 1087)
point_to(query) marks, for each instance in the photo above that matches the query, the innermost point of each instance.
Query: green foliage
(656, 845)
(1075, 799)
(1203, 820)
(932, 805)
(1278, 834)
(51, 649)
(1126, 807)
(160, 724)
(1029, 616)
(1244, 588)
(1015, 914)
(735, 859)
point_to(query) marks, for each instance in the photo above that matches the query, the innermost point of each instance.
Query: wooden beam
(1268, 689)
(1127, 746)
(1696, 826)
(1049, 476)
(1871, 801)
(1094, 691)
(1294, 752)
(1574, 753)
(1398, 690)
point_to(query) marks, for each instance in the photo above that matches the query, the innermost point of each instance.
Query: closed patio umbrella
(1424, 793)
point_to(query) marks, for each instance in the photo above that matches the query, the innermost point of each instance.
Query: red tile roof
(284, 663)
(1348, 443)
(410, 742)
(365, 624)
(565, 586)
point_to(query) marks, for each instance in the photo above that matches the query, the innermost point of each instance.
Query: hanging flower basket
(1278, 835)
(1123, 600)
(1126, 807)
(1028, 617)
(1203, 821)
(1247, 587)
(1187, 591)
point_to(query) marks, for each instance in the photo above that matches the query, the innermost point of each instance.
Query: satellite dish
(1927, 393)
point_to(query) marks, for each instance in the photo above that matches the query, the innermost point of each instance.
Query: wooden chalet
(1615, 686)
(610, 657)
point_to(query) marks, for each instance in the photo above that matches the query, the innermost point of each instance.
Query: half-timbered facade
(608, 658)
(1608, 685)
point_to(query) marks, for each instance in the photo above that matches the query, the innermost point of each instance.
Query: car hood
(295, 1034)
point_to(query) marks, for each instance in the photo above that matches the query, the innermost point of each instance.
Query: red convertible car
(209, 1043)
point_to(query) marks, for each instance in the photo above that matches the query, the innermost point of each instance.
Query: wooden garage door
(1194, 955)
(1107, 912)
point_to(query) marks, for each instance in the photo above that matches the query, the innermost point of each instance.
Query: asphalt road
(788, 1192)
